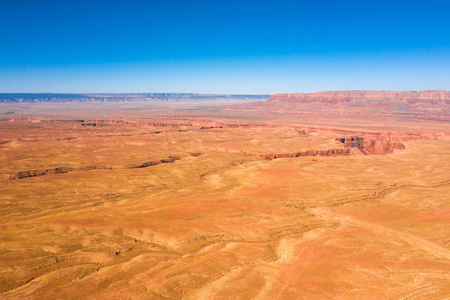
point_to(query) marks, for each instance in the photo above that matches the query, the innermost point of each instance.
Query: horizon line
(214, 94)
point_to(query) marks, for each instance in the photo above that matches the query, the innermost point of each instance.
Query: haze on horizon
(232, 47)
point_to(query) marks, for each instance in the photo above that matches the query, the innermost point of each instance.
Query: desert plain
(220, 200)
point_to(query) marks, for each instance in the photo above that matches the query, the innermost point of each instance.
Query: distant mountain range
(185, 97)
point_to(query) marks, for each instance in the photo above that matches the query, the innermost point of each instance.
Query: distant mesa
(411, 97)
(415, 104)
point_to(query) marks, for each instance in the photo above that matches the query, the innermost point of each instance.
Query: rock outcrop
(35, 173)
(95, 122)
(353, 146)
(59, 170)
(169, 160)
(164, 122)
(191, 123)
(330, 152)
(185, 124)
(352, 142)
(359, 146)
(64, 170)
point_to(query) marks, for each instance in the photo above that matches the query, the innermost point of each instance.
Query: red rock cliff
(368, 97)
(425, 104)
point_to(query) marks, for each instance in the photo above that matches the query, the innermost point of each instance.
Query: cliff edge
(416, 104)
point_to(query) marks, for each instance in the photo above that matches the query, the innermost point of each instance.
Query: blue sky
(223, 46)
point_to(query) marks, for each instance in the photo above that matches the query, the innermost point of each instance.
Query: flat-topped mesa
(422, 105)
(410, 97)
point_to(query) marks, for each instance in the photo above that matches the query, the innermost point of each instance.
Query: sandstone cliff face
(171, 123)
(59, 170)
(34, 173)
(425, 104)
(213, 124)
(434, 97)
(329, 152)
(191, 123)
(353, 146)
(96, 122)
(63, 170)
(360, 146)
(352, 142)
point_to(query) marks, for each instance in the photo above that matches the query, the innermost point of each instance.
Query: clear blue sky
(223, 46)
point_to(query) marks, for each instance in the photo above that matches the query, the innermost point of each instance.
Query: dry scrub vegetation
(207, 222)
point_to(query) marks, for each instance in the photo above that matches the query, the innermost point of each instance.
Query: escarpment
(329, 152)
(35, 173)
(360, 146)
(169, 160)
(414, 104)
(98, 122)
(59, 170)
(64, 170)
(180, 125)
(353, 146)
(334, 97)
(352, 142)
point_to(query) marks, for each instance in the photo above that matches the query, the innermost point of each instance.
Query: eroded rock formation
(330, 152)
(359, 146)
(59, 170)
(35, 173)
(353, 146)
(352, 142)
(170, 159)
(96, 122)
(63, 170)
(175, 122)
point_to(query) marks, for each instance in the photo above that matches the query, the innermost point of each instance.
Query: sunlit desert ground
(190, 210)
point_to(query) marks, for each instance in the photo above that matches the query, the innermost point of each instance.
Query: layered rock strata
(353, 146)
(174, 122)
(415, 104)
(330, 152)
(359, 146)
(59, 170)
(64, 170)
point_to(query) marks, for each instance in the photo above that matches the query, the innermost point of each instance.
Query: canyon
(341, 195)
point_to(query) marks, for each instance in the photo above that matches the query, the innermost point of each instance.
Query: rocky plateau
(333, 195)
(413, 104)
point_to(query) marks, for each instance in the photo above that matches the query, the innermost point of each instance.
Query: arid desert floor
(106, 202)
